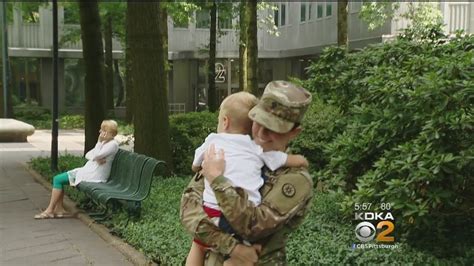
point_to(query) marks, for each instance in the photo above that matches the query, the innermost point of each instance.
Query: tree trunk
(2, 115)
(93, 54)
(342, 37)
(118, 77)
(109, 71)
(212, 98)
(149, 50)
(252, 48)
(243, 46)
(128, 70)
(27, 82)
(7, 81)
(9, 108)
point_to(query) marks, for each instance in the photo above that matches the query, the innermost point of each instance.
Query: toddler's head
(233, 113)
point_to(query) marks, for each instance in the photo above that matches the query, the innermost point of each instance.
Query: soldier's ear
(295, 132)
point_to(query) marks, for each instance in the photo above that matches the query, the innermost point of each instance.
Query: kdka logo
(374, 225)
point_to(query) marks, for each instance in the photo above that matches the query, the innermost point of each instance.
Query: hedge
(406, 135)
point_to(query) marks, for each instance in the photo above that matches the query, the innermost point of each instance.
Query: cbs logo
(366, 231)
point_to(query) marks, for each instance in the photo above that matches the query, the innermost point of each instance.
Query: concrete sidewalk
(25, 241)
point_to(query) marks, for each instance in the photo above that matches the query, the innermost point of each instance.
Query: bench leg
(134, 208)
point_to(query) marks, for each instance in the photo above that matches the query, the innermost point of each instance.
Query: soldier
(286, 193)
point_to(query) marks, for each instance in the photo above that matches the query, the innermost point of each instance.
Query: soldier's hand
(246, 253)
(213, 164)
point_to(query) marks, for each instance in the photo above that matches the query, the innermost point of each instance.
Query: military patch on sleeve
(288, 190)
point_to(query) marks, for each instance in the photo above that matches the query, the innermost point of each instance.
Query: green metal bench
(129, 182)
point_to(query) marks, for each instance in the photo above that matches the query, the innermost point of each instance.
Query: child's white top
(244, 160)
(92, 171)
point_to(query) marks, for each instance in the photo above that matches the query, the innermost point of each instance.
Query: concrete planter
(12, 130)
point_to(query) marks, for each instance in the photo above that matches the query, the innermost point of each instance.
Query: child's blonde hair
(111, 126)
(237, 106)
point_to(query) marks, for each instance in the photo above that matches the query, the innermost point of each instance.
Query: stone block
(12, 130)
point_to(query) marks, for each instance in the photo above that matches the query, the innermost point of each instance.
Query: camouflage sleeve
(196, 222)
(289, 196)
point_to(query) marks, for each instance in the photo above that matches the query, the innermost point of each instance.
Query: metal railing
(458, 17)
(176, 108)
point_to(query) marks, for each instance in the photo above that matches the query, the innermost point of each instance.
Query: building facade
(304, 30)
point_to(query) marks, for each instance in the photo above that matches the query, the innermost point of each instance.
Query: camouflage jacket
(286, 197)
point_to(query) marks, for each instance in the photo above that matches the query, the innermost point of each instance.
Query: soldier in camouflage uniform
(286, 193)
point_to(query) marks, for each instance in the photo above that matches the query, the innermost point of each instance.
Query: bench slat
(146, 179)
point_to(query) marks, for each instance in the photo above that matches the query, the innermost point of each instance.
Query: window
(283, 14)
(276, 17)
(303, 12)
(181, 24)
(279, 14)
(224, 15)
(328, 9)
(319, 11)
(265, 70)
(310, 5)
(203, 19)
(225, 22)
(71, 15)
(355, 6)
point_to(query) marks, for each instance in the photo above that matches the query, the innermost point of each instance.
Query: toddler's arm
(196, 168)
(296, 160)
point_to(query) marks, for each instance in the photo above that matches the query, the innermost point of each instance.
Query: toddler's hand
(299, 161)
(304, 162)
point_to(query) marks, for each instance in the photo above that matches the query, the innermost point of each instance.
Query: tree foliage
(420, 15)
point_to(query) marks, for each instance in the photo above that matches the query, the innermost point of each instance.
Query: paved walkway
(25, 241)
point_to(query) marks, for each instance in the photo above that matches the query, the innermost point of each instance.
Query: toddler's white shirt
(244, 160)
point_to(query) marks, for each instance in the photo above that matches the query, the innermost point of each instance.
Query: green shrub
(408, 138)
(71, 122)
(159, 233)
(124, 128)
(326, 237)
(37, 116)
(322, 122)
(188, 131)
(41, 118)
